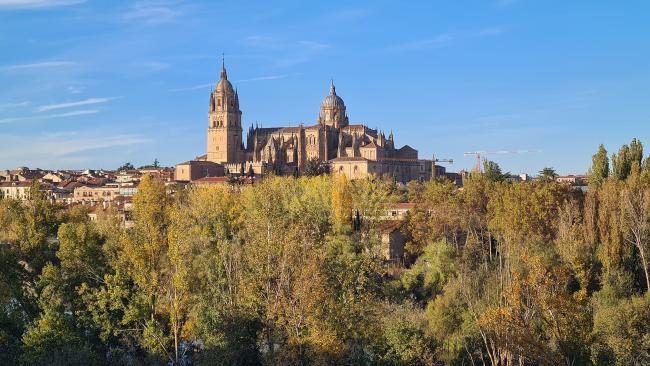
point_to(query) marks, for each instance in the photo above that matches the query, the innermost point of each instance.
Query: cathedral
(352, 149)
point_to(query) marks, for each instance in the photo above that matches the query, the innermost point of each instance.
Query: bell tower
(224, 123)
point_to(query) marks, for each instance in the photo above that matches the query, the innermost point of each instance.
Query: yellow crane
(434, 160)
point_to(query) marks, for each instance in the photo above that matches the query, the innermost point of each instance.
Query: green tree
(547, 174)
(492, 171)
(599, 170)
(626, 157)
(126, 166)
(315, 167)
(621, 332)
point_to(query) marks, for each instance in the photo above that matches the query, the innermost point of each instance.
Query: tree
(341, 204)
(645, 167)
(621, 332)
(548, 174)
(251, 172)
(492, 171)
(143, 257)
(635, 201)
(156, 164)
(599, 170)
(315, 167)
(126, 166)
(626, 157)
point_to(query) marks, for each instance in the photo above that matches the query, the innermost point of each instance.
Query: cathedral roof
(370, 145)
(332, 100)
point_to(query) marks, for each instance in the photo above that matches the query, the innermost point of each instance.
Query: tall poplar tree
(599, 170)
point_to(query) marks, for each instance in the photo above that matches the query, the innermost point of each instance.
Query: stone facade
(199, 168)
(353, 149)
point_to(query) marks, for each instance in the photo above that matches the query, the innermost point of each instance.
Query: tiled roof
(402, 206)
(25, 183)
(208, 180)
(390, 226)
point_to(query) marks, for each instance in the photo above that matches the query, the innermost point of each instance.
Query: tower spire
(223, 67)
(332, 87)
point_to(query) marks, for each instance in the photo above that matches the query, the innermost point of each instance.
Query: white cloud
(89, 101)
(154, 12)
(491, 31)
(291, 52)
(81, 112)
(440, 40)
(75, 89)
(189, 88)
(13, 119)
(62, 149)
(31, 4)
(446, 39)
(37, 65)
(6, 106)
(151, 66)
(269, 77)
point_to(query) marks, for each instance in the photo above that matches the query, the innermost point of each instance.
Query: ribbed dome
(225, 86)
(332, 100)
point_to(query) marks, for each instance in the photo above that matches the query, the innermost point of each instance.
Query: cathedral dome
(332, 100)
(224, 85)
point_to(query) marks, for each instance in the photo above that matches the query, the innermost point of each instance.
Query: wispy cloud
(261, 78)
(154, 12)
(189, 88)
(6, 106)
(13, 119)
(63, 149)
(81, 112)
(151, 66)
(448, 38)
(291, 52)
(79, 103)
(490, 31)
(440, 40)
(206, 86)
(34, 4)
(75, 89)
(37, 65)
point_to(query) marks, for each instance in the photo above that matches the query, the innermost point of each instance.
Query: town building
(575, 180)
(90, 195)
(19, 190)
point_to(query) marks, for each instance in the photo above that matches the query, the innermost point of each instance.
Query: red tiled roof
(402, 206)
(390, 226)
(25, 183)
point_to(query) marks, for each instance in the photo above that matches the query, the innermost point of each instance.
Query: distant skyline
(95, 84)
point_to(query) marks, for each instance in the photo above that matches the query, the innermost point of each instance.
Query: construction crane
(479, 154)
(434, 161)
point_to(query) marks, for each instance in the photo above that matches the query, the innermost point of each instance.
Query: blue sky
(98, 83)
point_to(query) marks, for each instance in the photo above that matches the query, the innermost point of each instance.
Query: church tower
(224, 123)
